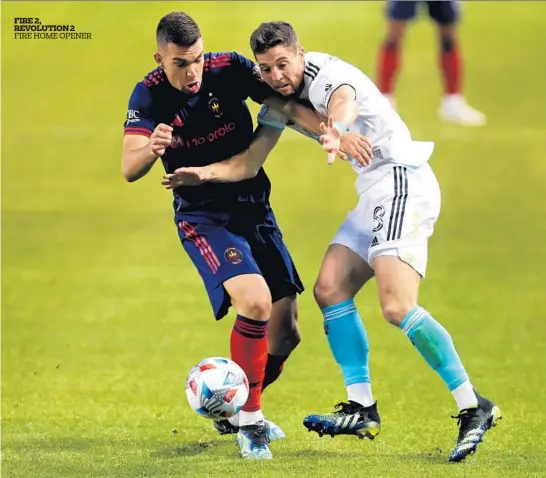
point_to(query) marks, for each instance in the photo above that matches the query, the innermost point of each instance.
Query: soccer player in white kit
(385, 236)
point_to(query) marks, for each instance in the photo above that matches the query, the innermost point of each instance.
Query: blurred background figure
(446, 15)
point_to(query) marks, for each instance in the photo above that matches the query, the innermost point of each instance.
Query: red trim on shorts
(202, 244)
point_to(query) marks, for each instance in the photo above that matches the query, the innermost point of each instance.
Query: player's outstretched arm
(246, 164)
(342, 112)
(140, 152)
(342, 107)
(242, 166)
(303, 116)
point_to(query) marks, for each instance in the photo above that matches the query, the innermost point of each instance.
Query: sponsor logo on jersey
(133, 116)
(184, 142)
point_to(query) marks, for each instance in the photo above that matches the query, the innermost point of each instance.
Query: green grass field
(103, 315)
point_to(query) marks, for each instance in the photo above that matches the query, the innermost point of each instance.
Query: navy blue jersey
(209, 126)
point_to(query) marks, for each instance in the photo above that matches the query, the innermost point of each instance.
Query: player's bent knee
(395, 34)
(448, 33)
(283, 334)
(255, 306)
(447, 44)
(327, 293)
(250, 296)
(292, 338)
(395, 311)
(287, 343)
(392, 44)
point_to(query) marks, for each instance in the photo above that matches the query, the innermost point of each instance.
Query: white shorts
(394, 217)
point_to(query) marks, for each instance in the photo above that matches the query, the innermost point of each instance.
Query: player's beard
(285, 87)
(286, 90)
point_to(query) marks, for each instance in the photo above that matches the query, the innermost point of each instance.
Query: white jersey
(390, 137)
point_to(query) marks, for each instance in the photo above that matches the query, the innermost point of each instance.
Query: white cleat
(253, 442)
(274, 432)
(455, 109)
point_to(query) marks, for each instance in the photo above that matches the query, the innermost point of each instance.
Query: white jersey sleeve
(390, 137)
(332, 76)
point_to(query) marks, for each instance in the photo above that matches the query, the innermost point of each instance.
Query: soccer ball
(217, 388)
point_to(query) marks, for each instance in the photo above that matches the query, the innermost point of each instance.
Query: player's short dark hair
(178, 28)
(269, 35)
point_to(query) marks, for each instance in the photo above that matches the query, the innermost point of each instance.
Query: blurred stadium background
(103, 315)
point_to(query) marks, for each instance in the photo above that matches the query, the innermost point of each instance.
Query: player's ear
(158, 59)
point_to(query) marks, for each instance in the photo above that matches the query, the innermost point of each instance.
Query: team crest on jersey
(233, 256)
(214, 107)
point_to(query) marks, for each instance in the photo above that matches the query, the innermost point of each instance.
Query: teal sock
(435, 345)
(348, 341)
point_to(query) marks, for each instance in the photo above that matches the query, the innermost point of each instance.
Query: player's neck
(299, 88)
(301, 84)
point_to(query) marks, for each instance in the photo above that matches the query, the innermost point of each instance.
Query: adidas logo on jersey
(328, 87)
(375, 242)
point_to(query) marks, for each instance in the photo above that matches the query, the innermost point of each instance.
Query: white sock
(250, 418)
(361, 393)
(234, 420)
(453, 97)
(464, 396)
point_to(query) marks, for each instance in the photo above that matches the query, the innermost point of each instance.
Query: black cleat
(473, 423)
(224, 427)
(349, 419)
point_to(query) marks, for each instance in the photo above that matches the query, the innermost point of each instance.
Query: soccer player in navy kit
(191, 111)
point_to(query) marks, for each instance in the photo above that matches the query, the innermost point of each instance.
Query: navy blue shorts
(223, 246)
(444, 12)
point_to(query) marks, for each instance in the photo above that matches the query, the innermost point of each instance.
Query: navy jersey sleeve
(248, 80)
(139, 120)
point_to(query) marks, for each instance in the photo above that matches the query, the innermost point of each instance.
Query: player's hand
(357, 146)
(161, 139)
(184, 177)
(344, 145)
(331, 141)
